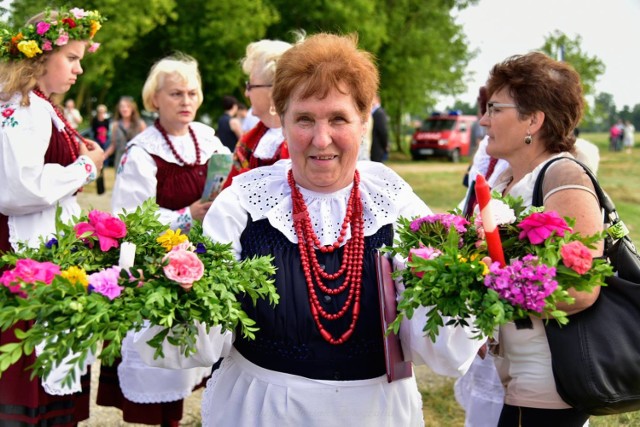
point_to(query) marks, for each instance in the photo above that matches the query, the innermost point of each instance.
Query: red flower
(70, 22)
(7, 113)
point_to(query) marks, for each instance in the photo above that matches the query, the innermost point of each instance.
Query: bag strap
(616, 228)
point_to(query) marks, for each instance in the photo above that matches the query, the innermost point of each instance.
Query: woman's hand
(199, 209)
(93, 150)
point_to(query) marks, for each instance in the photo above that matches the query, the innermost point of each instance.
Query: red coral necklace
(71, 136)
(352, 259)
(163, 132)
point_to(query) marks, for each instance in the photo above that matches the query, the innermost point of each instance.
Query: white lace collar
(269, 144)
(264, 193)
(152, 141)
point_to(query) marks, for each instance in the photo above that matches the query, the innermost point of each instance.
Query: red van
(446, 134)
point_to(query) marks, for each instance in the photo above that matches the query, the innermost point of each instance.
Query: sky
(610, 30)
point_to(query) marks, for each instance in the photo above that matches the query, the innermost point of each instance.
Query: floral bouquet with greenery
(445, 269)
(80, 289)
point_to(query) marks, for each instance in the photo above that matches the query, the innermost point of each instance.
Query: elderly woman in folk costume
(318, 357)
(45, 162)
(264, 144)
(167, 161)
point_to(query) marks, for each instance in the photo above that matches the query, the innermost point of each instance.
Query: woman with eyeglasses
(535, 103)
(264, 144)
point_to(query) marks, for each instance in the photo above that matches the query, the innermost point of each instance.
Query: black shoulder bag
(596, 356)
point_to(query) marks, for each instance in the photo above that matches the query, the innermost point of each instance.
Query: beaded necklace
(71, 136)
(352, 259)
(163, 132)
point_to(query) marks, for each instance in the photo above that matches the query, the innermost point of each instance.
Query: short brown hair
(324, 62)
(537, 82)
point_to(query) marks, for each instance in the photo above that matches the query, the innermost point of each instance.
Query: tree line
(421, 52)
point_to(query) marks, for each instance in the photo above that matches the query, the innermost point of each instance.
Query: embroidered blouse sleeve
(226, 219)
(30, 185)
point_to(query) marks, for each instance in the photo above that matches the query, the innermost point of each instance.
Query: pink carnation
(576, 256)
(42, 27)
(28, 271)
(538, 226)
(105, 226)
(184, 267)
(47, 45)
(105, 282)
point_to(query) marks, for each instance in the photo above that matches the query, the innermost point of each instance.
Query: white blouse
(31, 189)
(136, 176)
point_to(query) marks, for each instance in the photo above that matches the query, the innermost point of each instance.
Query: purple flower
(524, 283)
(105, 282)
(200, 249)
(51, 243)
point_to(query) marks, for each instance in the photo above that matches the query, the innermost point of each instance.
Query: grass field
(439, 184)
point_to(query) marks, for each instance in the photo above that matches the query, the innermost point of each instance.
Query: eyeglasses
(248, 86)
(492, 106)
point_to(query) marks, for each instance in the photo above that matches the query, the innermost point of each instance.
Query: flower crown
(45, 35)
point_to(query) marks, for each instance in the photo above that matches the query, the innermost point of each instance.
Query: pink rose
(184, 267)
(105, 282)
(576, 256)
(538, 226)
(94, 47)
(78, 13)
(47, 45)
(42, 27)
(426, 252)
(105, 226)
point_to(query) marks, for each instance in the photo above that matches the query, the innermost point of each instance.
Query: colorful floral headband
(45, 35)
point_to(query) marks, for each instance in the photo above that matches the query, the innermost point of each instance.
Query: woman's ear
(537, 120)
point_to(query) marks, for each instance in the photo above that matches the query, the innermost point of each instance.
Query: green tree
(589, 67)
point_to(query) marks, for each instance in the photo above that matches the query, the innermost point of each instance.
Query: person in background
(71, 113)
(100, 133)
(587, 152)
(45, 162)
(126, 124)
(100, 126)
(229, 126)
(264, 144)
(629, 136)
(477, 135)
(167, 161)
(318, 359)
(379, 132)
(249, 120)
(535, 103)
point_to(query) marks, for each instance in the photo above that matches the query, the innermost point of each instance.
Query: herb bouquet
(445, 269)
(80, 289)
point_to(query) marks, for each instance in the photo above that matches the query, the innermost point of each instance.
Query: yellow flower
(171, 238)
(29, 48)
(76, 275)
(95, 26)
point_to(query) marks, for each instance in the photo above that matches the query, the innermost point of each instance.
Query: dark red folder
(397, 367)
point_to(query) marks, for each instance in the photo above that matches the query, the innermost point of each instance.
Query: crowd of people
(308, 187)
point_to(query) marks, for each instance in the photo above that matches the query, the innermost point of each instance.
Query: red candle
(492, 235)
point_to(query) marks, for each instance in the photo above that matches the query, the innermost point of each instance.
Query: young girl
(44, 164)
